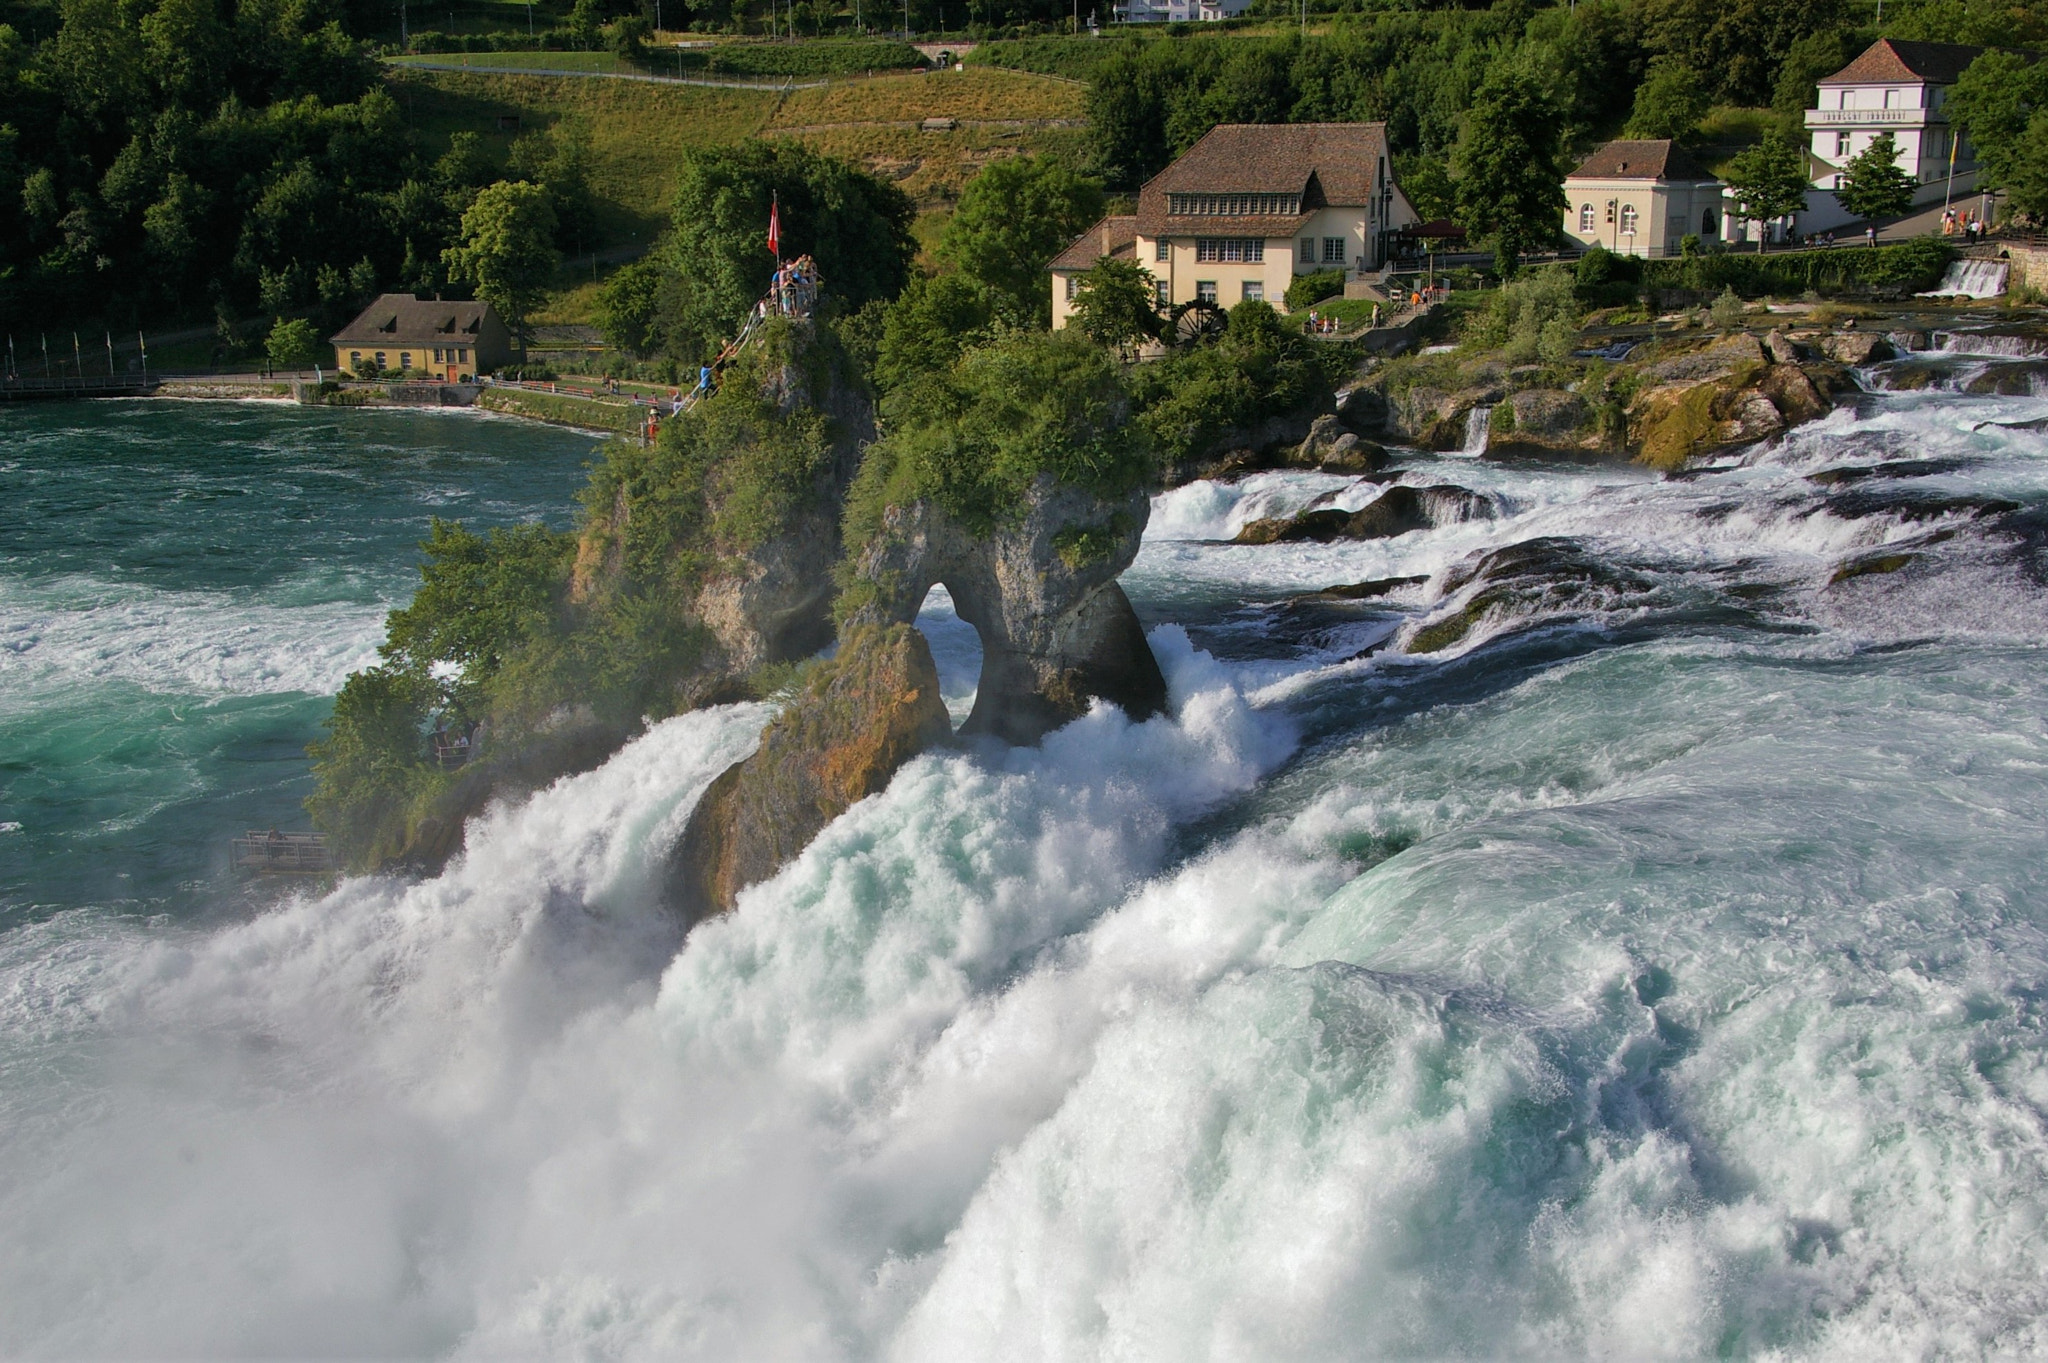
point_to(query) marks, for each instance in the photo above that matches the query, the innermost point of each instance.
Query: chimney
(1105, 236)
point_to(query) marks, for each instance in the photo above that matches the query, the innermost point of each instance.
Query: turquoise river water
(1658, 970)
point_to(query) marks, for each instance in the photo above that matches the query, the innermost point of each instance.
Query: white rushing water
(1971, 279)
(1655, 972)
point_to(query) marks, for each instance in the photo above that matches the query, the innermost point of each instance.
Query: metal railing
(275, 853)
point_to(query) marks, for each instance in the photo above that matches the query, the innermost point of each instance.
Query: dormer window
(1233, 205)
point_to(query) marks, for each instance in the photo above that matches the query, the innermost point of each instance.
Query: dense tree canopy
(1013, 217)
(1509, 182)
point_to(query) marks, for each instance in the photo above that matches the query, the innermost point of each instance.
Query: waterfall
(1971, 279)
(1476, 426)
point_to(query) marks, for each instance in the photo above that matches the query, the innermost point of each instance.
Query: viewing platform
(281, 854)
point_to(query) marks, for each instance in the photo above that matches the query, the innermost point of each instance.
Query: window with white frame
(1585, 217)
(1205, 290)
(1160, 295)
(1628, 220)
(1254, 291)
(1333, 250)
(1842, 144)
(1308, 250)
(1244, 250)
(1073, 287)
(1232, 205)
(1162, 250)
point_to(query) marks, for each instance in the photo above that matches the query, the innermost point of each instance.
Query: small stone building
(1642, 197)
(423, 338)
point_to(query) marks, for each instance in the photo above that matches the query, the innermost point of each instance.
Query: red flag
(775, 228)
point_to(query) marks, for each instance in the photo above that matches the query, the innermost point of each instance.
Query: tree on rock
(508, 250)
(1114, 304)
(1998, 103)
(1013, 217)
(1509, 182)
(1768, 181)
(1873, 185)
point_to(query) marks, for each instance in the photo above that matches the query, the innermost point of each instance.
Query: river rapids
(1614, 929)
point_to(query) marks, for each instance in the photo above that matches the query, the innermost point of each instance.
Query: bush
(1726, 312)
(974, 438)
(1533, 317)
(1310, 289)
(804, 59)
(1907, 267)
(1258, 368)
(1603, 279)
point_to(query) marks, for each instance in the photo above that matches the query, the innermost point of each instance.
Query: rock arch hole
(956, 649)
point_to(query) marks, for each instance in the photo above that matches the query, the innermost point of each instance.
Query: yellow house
(1246, 209)
(423, 338)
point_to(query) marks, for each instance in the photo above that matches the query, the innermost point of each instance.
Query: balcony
(1873, 118)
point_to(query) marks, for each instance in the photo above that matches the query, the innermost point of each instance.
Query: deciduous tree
(1873, 185)
(508, 250)
(1013, 217)
(1669, 103)
(1768, 181)
(1509, 182)
(1114, 304)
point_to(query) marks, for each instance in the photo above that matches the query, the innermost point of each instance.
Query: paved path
(477, 68)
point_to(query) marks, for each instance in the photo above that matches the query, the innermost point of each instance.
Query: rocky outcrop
(1395, 511)
(1732, 392)
(769, 599)
(1856, 348)
(858, 718)
(1328, 447)
(1040, 589)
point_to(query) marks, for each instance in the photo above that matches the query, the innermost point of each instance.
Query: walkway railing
(106, 386)
(276, 853)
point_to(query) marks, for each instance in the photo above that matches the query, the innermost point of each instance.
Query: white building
(1178, 11)
(1642, 197)
(1892, 87)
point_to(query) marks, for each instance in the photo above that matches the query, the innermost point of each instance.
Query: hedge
(1908, 267)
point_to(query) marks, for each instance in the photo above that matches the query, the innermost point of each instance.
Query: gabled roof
(1326, 164)
(1116, 235)
(1895, 59)
(1648, 158)
(402, 319)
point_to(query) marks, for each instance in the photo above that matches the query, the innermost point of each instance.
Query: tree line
(170, 159)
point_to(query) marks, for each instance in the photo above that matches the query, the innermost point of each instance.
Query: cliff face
(859, 717)
(1056, 629)
(770, 478)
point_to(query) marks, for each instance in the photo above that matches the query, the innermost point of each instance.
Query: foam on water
(58, 635)
(1675, 997)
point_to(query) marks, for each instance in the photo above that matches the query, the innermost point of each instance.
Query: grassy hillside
(637, 129)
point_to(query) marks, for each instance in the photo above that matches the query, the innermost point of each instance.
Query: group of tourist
(1966, 224)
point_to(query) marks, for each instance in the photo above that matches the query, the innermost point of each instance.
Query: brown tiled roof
(401, 319)
(1327, 164)
(1121, 239)
(1649, 158)
(1895, 59)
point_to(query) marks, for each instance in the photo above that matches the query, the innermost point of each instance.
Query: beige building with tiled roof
(423, 338)
(1246, 209)
(1641, 197)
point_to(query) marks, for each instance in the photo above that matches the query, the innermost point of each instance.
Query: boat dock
(281, 854)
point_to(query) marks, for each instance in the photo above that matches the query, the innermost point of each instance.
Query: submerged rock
(858, 718)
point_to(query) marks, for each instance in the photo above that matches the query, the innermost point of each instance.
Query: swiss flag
(775, 228)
